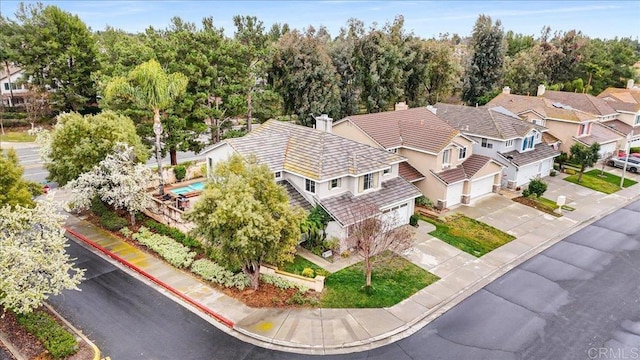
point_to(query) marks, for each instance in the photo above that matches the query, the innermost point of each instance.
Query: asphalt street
(576, 300)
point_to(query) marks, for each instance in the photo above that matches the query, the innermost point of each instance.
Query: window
(527, 143)
(394, 150)
(6, 86)
(386, 171)
(637, 120)
(446, 157)
(462, 153)
(310, 186)
(335, 183)
(584, 129)
(278, 174)
(508, 143)
(367, 182)
(486, 144)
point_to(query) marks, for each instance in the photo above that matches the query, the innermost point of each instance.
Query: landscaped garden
(600, 181)
(468, 235)
(392, 282)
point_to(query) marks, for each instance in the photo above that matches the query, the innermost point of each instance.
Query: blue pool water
(199, 186)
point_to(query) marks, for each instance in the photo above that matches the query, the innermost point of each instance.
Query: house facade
(566, 124)
(503, 136)
(627, 103)
(12, 88)
(317, 167)
(440, 160)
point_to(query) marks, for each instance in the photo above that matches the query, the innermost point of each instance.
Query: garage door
(606, 150)
(454, 194)
(397, 214)
(481, 187)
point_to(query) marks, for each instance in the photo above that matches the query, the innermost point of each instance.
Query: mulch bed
(536, 205)
(29, 346)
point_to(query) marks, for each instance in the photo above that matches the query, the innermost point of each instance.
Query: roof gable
(584, 102)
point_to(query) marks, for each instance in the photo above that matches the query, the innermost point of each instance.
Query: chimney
(541, 90)
(432, 109)
(630, 84)
(324, 123)
(506, 90)
(401, 106)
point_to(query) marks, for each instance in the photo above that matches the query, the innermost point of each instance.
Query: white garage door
(607, 149)
(397, 214)
(481, 187)
(454, 194)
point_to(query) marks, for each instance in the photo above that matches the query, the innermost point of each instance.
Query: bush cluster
(111, 221)
(282, 283)
(174, 233)
(308, 272)
(175, 253)
(219, 275)
(536, 188)
(58, 341)
(180, 171)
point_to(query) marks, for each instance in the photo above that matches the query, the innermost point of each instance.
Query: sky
(603, 19)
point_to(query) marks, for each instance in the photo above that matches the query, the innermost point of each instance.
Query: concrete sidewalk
(328, 331)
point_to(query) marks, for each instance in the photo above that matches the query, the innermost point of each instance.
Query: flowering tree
(33, 262)
(117, 180)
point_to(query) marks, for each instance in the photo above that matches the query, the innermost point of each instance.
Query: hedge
(175, 253)
(215, 273)
(174, 233)
(58, 341)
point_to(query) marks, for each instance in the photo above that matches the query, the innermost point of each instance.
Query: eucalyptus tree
(149, 86)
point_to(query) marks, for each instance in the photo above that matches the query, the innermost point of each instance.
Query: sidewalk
(331, 331)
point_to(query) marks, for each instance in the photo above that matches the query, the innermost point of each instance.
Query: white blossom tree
(117, 180)
(33, 262)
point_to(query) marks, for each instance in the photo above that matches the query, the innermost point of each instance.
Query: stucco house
(317, 167)
(567, 124)
(440, 160)
(627, 103)
(504, 136)
(12, 89)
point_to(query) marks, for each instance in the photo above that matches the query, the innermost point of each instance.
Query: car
(633, 163)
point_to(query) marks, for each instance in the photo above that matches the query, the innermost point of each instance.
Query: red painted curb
(191, 301)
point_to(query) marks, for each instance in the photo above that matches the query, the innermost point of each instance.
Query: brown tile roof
(494, 122)
(600, 134)
(622, 99)
(464, 171)
(584, 102)
(392, 192)
(540, 152)
(409, 173)
(311, 153)
(619, 126)
(549, 138)
(295, 198)
(417, 128)
(520, 104)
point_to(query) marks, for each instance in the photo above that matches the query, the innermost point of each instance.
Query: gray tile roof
(417, 128)
(392, 192)
(495, 122)
(600, 134)
(311, 153)
(540, 152)
(295, 198)
(464, 171)
(622, 99)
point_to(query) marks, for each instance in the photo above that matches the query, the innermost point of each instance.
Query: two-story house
(627, 103)
(504, 136)
(567, 125)
(448, 172)
(12, 88)
(320, 168)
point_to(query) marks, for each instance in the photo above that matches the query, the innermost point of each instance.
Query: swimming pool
(198, 186)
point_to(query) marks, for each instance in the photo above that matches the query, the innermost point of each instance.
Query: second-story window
(386, 171)
(446, 157)
(584, 129)
(508, 143)
(367, 182)
(310, 186)
(278, 174)
(462, 153)
(335, 183)
(486, 144)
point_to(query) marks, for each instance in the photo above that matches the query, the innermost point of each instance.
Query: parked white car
(633, 163)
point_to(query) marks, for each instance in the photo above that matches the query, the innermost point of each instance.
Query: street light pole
(627, 149)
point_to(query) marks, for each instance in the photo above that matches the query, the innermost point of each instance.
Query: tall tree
(149, 86)
(585, 156)
(14, 190)
(443, 70)
(484, 71)
(33, 261)
(523, 72)
(56, 50)
(341, 52)
(78, 143)
(303, 73)
(246, 215)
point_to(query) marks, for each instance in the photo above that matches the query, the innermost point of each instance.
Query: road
(576, 300)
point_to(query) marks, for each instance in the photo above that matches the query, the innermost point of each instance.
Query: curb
(96, 351)
(159, 282)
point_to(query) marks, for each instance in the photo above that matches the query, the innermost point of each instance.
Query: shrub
(345, 254)
(175, 253)
(58, 341)
(180, 171)
(308, 272)
(570, 172)
(526, 192)
(282, 283)
(111, 221)
(219, 275)
(424, 201)
(98, 207)
(173, 233)
(126, 232)
(537, 187)
(413, 220)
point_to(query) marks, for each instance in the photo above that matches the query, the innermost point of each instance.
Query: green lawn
(299, 263)
(547, 202)
(391, 283)
(608, 183)
(17, 136)
(469, 235)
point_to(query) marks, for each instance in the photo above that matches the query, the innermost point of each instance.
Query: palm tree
(149, 86)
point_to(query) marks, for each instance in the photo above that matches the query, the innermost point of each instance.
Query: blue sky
(604, 19)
